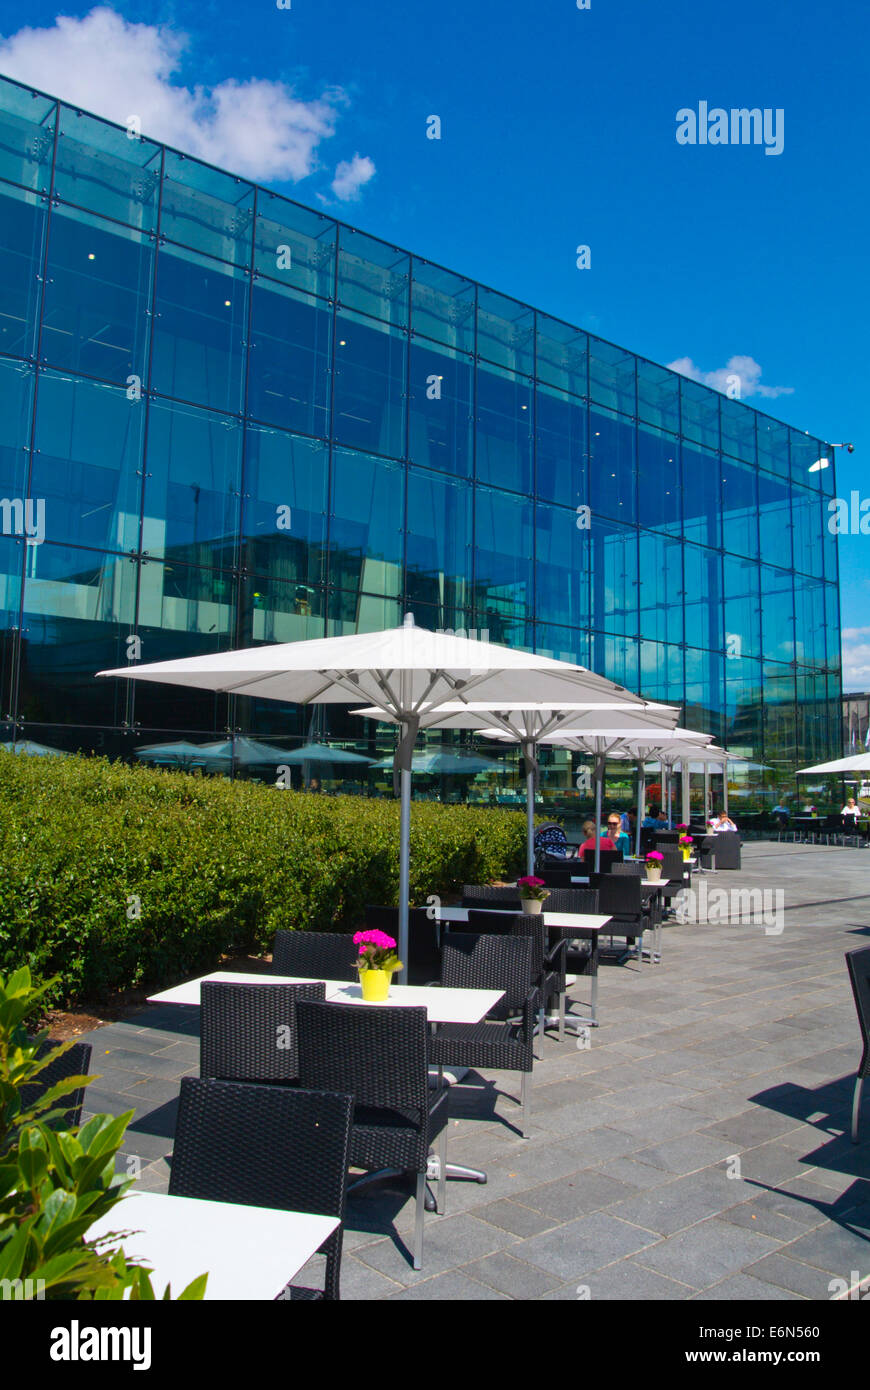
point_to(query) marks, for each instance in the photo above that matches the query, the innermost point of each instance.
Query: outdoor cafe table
(247, 1252)
(441, 1005)
(585, 926)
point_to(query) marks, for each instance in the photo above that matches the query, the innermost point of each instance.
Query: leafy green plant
(114, 877)
(54, 1184)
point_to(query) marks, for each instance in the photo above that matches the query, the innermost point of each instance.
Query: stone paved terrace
(741, 1045)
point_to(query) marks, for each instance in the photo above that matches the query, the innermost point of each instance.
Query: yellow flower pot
(687, 852)
(375, 985)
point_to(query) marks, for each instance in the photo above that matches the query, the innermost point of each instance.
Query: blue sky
(558, 128)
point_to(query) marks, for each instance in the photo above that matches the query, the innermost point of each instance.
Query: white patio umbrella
(535, 723)
(402, 672)
(664, 749)
(856, 762)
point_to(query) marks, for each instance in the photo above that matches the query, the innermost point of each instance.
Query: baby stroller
(551, 846)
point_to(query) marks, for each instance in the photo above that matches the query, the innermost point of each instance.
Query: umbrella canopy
(179, 752)
(34, 750)
(856, 762)
(447, 763)
(403, 672)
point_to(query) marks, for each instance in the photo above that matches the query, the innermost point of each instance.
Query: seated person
(781, 814)
(850, 813)
(589, 843)
(616, 834)
(721, 822)
(651, 822)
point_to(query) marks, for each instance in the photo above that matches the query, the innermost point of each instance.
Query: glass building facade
(229, 419)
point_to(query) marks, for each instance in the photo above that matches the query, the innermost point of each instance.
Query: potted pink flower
(654, 861)
(533, 893)
(376, 962)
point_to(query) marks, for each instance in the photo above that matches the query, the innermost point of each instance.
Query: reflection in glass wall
(227, 419)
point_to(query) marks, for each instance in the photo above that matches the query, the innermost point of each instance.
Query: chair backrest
(561, 878)
(667, 837)
(673, 864)
(620, 896)
(474, 895)
(629, 870)
(581, 900)
(248, 1032)
(424, 941)
(858, 963)
(265, 1146)
(471, 961)
(315, 955)
(75, 1061)
(377, 1055)
(606, 859)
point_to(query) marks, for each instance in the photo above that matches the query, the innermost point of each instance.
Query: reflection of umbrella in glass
(246, 752)
(444, 763)
(179, 753)
(322, 753)
(36, 750)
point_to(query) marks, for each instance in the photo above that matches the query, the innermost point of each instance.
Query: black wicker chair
(381, 1057)
(470, 961)
(315, 955)
(582, 953)
(620, 897)
(248, 1032)
(76, 1061)
(485, 895)
(423, 966)
(266, 1146)
(859, 974)
(548, 964)
(726, 849)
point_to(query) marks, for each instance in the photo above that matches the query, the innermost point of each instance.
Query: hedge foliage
(114, 877)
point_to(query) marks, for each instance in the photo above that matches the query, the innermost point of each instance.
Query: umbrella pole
(725, 788)
(669, 771)
(531, 768)
(686, 780)
(641, 798)
(599, 781)
(404, 866)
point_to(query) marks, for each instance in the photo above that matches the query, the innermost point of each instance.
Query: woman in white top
(850, 810)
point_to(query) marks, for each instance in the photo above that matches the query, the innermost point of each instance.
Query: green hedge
(215, 866)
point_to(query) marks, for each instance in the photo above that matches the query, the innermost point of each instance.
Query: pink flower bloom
(530, 883)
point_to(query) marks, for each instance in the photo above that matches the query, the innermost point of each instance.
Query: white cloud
(350, 176)
(746, 368)
(856, 658)
(850, 633)
(104, 64)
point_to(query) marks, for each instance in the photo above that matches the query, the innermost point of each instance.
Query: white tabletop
(442, 1005)
(585, 921)
(247, 1252)
(645, 882)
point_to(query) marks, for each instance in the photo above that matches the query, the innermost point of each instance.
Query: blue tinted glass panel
(616, 658)
(806, 452)
(442, 305)
(12, 559)
(809, 602)
(23, 220)
(658, 473)
(355, 612)
(562, 643)
(699, 407)
(199, 330)
(743, 695)
(367, 517)
(284, 507)
(97, 297)
(809, 518)
(206, 209)
(661, 587)
(441, 413)
(562, 572)
(99, 167)
(294, 245)
(88, 460)
(373, 277)
(779, 714)
(612, 377)
(290, 359)
(658, 396)
(562, 356)
(661, 672)
(742, 609)
(705, 692)
(612, 469)
(503, 567)
(772, 446)
(614, 578)
(738, 430)
(561, 447)
(703, 598)
(369, 385)
(777, 615)
(27, 124)
(192, 485)
(739, 508)
(774, 520)
(812, 716)
(701, 507)
(438, 557)
(272, 610)
(504, 429)
(16, 413)
(505, 332)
